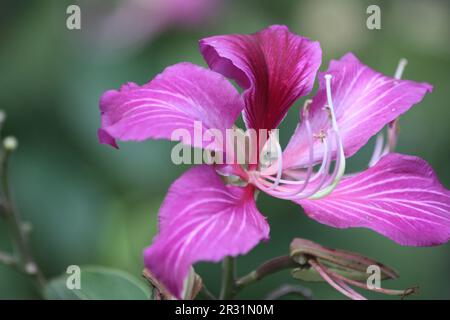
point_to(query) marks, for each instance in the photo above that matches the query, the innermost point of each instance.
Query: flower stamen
(339, 168)
(321, 182)
(400, 68)
(392, 128)
(279, 161)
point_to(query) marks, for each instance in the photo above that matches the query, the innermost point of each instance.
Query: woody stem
(22, 258)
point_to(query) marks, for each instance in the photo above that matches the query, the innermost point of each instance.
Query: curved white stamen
(337, 165)
(391, 129)
(323, 182)
(400, 68)
(324, 167)
(310, 168)
(279, 161)
(290, 193)
(378, 149)
(310, 144)
(328, 78)
(340, 156)
(392, 136)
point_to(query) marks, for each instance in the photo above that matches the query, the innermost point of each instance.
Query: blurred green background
(91, 204)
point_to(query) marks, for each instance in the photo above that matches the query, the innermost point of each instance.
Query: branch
(25, 261)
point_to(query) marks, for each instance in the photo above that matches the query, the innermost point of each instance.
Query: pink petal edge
(400, 197)
(175, 99)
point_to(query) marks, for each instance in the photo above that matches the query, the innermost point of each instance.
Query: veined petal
(175, 99)
(274, 66)
(364, 102)
(202, 219)
(400, 197)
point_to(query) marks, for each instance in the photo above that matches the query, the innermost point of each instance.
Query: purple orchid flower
(203, 219)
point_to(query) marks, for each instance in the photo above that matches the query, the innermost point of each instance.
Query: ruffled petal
(274, 66)
(202, 219)
(180, 96)
(364, 102)
(400, 197)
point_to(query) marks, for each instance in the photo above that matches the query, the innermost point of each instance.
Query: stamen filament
(392, 136)
(378, 149)
(339, 169)
(293, 194)
(400, 68)
(304, 182)
(392, 128)
(327, 182)
(279, 162)
(358, 284)
(338, 285)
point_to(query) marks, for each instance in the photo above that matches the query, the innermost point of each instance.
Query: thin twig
(22, 251)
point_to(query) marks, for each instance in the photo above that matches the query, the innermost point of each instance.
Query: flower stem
(228, 278)
(22, 258)
(267, 268)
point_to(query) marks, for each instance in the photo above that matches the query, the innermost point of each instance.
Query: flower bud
(192, 286)
(10, 143)
(340, 269)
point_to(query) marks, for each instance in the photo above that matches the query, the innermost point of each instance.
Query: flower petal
(274, 66)
(400, 197)
(202, 219)
(175, 99)
(364, 102)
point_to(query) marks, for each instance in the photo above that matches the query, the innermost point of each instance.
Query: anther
(321, 135)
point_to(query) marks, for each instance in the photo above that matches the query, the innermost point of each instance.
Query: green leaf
(98, 283)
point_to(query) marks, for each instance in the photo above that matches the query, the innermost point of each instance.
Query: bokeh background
(91, 204)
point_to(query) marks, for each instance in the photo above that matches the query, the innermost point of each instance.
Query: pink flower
(202, 219)
(130, 24)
